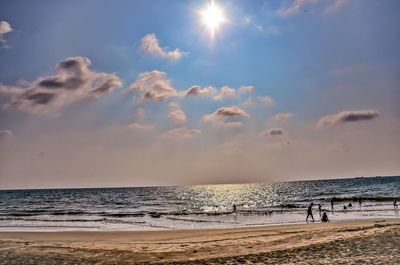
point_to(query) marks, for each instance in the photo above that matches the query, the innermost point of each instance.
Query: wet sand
(348, 242)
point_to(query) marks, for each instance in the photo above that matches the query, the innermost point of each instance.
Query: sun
(213, 16)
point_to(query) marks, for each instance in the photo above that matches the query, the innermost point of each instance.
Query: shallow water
(205, 206)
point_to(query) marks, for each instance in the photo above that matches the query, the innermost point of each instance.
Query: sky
(101, 93)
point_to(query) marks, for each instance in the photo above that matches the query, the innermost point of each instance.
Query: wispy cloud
(72, 81)
(266, 100)
(335, 7)
(346, 117)
(151, 45)
(295, 7)
(141, 126)
(6, 135)
(282, 116)
(176, 115)
(182, 133)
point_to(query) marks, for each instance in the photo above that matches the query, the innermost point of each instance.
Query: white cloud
(151, 45)
(153, 86)
(176, 115)
(5, 28)
(72, 81)
(226, 117)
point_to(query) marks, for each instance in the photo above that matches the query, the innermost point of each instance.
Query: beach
(374, 241)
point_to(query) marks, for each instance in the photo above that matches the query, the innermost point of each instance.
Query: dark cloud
(346, 117)
(72, 81)
(273, 132)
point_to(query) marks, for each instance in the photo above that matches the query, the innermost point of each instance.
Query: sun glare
(212, 17)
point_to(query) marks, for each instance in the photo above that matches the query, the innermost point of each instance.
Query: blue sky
(323, 74)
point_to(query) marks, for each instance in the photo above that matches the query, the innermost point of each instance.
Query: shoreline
(191, 246)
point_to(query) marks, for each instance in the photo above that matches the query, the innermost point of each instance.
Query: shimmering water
(206, 206)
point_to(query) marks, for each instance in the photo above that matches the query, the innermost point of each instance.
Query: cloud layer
(5, 28)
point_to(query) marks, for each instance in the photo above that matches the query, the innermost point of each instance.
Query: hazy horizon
(139, 93)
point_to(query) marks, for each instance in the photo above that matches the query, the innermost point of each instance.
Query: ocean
(199, 206)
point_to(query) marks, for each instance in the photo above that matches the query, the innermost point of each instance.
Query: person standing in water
(319, 209)
(309, 212)
(332, 204)
(395, 205)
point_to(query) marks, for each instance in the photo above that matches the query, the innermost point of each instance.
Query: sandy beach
(349, 242)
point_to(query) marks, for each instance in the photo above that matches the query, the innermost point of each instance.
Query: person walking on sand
(309, 212)
(324, 218)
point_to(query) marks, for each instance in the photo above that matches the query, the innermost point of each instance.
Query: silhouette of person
(309, 212)
(344, 207)
(350, 205)
(332, 203)
(324, 218)
(234, 208)
(319, 209)
(395, 204)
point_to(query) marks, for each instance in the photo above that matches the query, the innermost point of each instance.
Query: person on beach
(344, 208)
(234, 208)
(324, 218)
(332, 203)
(350, 205)
(309, 212)
(319, 209)
(395, 205)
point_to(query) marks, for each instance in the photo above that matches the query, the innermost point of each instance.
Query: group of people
(324, 216)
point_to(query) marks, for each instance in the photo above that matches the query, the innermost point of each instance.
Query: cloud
(246, 89)
(226, 116)
(248, 103)
(152, 86)
(335, 7)
(176, 115)
(295, 7)
(273, 132)
(140, 113)
(225, 92)
(151, 45)
(182, 133)
(72, 81)
(199, 91)
(265, 100)
(5, 28)
(6, 135)
(282, 116)
(141, 126)
(347, 116)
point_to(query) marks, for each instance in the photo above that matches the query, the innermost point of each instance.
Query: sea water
(200, 206)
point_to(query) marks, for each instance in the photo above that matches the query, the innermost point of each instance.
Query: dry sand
(350, 242)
